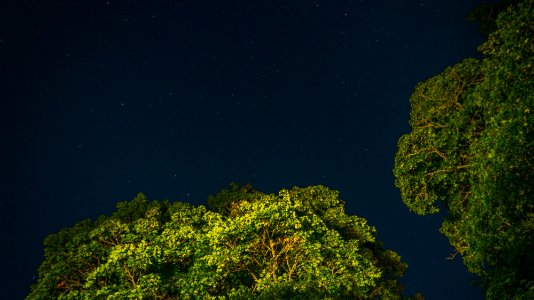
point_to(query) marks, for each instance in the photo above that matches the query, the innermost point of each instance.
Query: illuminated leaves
(297, 244)
(471, 147)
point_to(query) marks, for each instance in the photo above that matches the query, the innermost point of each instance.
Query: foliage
(298, 244)
(485, 15)
(471, 152)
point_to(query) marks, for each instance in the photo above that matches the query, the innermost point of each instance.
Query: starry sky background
(175, 99)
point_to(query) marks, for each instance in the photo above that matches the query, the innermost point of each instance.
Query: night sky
(176, 99)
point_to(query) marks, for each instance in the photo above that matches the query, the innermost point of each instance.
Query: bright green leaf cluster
(298, 244)
(471, 149)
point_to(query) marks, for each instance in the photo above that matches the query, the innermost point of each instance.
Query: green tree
(298, 244)
(471, 152)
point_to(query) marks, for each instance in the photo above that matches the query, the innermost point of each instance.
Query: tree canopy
(471, 152)
(298, 244)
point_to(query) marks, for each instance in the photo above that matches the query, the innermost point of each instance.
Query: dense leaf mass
(298, 244)
(471, 148)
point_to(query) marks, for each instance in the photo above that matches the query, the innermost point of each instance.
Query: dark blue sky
(104, 99)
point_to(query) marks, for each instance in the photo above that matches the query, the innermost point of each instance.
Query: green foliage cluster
(471, 152)
(299, 244)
